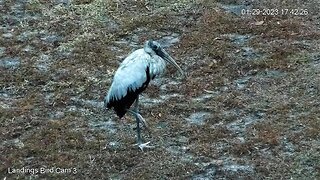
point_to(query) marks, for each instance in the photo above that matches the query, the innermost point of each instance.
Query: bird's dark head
(152, 46)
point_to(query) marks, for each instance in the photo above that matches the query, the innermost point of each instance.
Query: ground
(248, 108)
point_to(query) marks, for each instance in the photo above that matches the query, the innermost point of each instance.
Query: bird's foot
(144, 145)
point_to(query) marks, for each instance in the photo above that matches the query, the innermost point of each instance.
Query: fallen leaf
(259, 23)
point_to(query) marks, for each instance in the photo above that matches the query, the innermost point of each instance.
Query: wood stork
(132, 78)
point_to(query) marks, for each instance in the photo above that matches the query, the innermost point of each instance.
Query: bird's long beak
(170, 60)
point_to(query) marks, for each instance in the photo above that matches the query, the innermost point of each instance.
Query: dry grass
(261, 81)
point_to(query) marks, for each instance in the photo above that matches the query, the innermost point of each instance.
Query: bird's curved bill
(170, 60)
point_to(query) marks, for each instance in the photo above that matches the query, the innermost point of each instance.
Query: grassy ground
(248, 109)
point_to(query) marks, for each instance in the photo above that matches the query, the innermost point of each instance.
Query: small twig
(208, 91)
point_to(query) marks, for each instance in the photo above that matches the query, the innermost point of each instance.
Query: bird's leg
(139, 119)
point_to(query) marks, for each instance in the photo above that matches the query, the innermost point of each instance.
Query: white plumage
(132, 73)
(133, 77)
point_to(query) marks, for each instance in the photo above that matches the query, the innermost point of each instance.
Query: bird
(132, 77)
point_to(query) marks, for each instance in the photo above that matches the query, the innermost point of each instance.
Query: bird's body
(132, 78)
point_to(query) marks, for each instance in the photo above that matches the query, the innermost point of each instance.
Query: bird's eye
(155, 47)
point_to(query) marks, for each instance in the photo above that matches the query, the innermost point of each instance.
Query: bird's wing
(130, 76)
